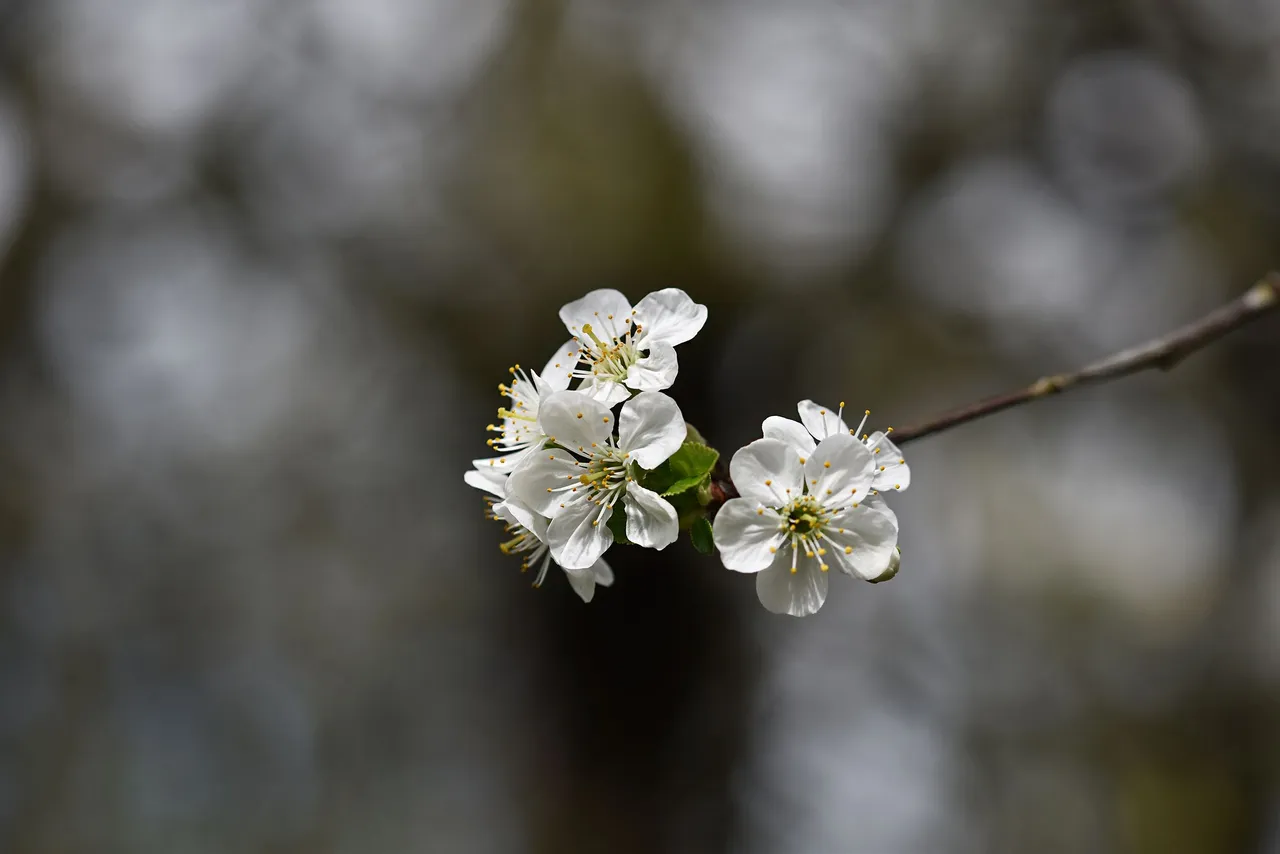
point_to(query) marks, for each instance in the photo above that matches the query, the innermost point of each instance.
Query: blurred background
(264, 262)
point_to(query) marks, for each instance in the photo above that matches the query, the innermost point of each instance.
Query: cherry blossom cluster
(611, 460)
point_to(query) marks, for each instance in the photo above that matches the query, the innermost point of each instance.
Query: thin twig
(1164, 353)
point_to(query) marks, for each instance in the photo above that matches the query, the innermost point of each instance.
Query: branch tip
(1162, 353)
(1263, 294)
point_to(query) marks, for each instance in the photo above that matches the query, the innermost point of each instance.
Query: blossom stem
(1163, 353)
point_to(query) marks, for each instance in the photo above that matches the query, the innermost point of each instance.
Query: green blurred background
(263, 263)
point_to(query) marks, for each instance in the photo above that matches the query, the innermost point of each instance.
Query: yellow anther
(772, 550)
(897, 486)
(551, 456)
(825, 567)
(579, 414)
(827, 464)
(853, 491)
(808, 553)
(768, 483)
(822, 412)
(822, 551)
(595, 522)
(802, 461)
(876, 451)
(609, 316)
(605, 419)
(842, 404)
(881, 468)
(828, 492)
(760, 511)
(848, 550)
(888, 430)
(793, 570)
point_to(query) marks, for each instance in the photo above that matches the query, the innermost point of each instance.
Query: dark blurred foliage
(262, 265)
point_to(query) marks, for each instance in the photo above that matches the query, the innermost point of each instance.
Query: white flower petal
(606, 311)
(655, 371)
(603, 573)
(516, 512)
(558, 370)
(746, 538)
(492, 482)
(895, 564)
(506, 463)
(651, 520)
(651, 428)
(821, 421)
(606, 392)
(541, 483)
(791, 432)
(574, 420)
(892, 471)
(583, 582)
(799, 594)
(669, 315)
(863, 539)
(579, 534)
(840, 471)
(767, 472)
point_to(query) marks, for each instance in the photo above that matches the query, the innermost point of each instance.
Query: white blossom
(518, 432)
(529, 536)
(795, 520)
(577, 483)
(529, 539)
(617, 349)
(819, 422)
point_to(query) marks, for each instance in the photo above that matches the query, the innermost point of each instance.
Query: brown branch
(1164, 353)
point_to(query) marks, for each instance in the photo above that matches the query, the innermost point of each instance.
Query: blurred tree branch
(1164, 353)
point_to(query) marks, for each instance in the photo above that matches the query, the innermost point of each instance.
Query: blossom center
(519, 427)
(608, 358)
(525, 543)
(804, 520)
(606, 471)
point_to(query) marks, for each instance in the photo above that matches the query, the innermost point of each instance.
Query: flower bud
(894, 563)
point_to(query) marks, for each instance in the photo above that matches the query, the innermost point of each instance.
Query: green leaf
(700, 533)
(691, 434)
(689, 466)
(618, 524)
